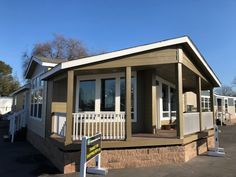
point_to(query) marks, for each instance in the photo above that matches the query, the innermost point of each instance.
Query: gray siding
(231, 101)
(205, 93)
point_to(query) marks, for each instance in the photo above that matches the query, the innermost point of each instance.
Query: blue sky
(105, 25)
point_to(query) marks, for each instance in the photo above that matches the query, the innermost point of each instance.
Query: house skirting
(68, 162)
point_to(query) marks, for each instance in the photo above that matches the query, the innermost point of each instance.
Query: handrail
(110, 124)
(17, 121)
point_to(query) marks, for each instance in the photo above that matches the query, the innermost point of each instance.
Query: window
(87, 95)
(122, 95)
(108, 95)
(219, 104)
(165, 97)
(190, 108)
(36, 98)
(205, 102)
(235, 106)
(226, 105)
(202, 101)
(168, 105)
(173, 101)
(105, 92)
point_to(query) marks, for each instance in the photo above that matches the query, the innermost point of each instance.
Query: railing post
(212, 104)
(199, 105)
(49, 124)
(179, 111)
(13, 129)
(128, 102)
(69, 106)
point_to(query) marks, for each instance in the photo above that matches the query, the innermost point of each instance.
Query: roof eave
(115, 54)
(35, 59)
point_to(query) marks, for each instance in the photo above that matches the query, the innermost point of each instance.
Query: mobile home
(134, 97)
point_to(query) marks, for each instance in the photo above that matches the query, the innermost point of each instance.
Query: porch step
(166, 133)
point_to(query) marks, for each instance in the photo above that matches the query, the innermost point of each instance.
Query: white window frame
(235, 106)
(170, 85)
(98, 79)
(226, 100)
(208, 108)
(33, 89)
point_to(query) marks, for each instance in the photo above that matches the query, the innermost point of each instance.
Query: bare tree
(60, 47)
(225, 90)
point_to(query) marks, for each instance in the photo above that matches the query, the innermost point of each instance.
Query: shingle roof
(133, 50)
(50, 60)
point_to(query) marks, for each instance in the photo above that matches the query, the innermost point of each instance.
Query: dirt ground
(20, 159)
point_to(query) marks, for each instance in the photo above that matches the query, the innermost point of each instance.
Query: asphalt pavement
(20, 159)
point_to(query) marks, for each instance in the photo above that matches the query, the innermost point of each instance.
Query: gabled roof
(43, 61)
(224, 96)
(22, 88)
(133, 50)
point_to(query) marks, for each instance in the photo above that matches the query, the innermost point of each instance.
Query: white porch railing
(207, 120)
(110, 124)
(17, 121)
(59, 123)
(191, 123)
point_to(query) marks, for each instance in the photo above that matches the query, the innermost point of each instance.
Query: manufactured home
(5, 105)
(134, 97)
(224, 106)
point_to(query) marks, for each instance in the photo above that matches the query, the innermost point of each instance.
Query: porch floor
(137, 140)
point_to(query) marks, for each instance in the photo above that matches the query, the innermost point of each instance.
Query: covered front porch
(133, 101)
(131, 106)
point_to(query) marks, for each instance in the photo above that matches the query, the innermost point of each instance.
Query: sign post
(91, 148)
(216, 151)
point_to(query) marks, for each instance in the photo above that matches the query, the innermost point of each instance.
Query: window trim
(235, 106)
(226, 100)
(204, 102)
(78, 95)
(98, 79)
(160, 100)
(32, 80)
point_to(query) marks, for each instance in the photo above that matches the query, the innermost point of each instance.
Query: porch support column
(128, 127)
(69, 106)
(199, 105)
(49, 121)
(155, 121)
(179, 111)
(212, 104)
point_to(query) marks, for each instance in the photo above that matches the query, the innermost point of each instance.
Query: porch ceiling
(167, 72)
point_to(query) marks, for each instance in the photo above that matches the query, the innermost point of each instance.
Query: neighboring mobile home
(224, 106)
(5, 105)
(134, 97)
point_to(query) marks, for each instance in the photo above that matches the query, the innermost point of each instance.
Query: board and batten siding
(19, 103)
(160, 56)
(144, 103)
(34, 124)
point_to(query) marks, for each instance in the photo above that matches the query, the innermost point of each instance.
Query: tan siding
(38, 125)
(189, 99)
(19, 101)
(59, 91)
(58, 106)
(161, 56)
(37, 70)
(188, 63)
(139, 125)
(144, 103)
(147, 90)
(231, 110)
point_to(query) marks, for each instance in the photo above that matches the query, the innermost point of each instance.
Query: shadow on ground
(20, 159)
